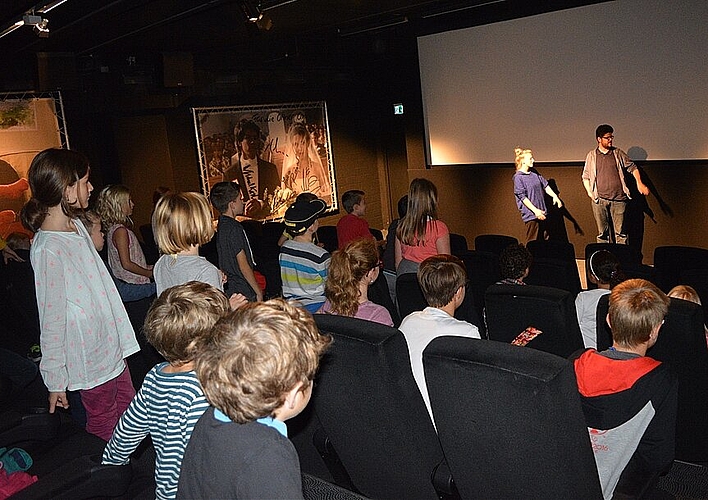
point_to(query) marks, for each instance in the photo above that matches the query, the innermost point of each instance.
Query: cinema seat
(509, 420)
(510, 309)
(371, 409)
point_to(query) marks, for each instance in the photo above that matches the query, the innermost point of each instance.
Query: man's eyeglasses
(607, 137)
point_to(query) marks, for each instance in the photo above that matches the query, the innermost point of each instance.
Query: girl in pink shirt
(420, 234)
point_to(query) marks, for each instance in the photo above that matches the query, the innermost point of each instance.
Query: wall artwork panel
(30, 122)
(274, 152)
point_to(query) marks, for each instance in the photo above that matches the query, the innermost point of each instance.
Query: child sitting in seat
(170, 401)
(515, 263)
(442, 279)
(352, 271)
(685, 292)
(605, 273)
(256, 371)
(630, 400)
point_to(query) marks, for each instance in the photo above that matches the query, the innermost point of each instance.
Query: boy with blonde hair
(257, 372)
(170, 401)
(182, 223)
(630, 400)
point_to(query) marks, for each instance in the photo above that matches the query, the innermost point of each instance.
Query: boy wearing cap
(233, 248)
(303, 265)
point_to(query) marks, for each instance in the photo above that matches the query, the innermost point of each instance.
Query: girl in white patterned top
(85, 332)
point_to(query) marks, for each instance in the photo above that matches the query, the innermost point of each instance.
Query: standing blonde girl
(529, 187)
(182, 223)
(85, 332)
(125, 256)
(420, 234)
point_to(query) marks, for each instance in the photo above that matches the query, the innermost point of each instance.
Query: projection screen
(545, 82)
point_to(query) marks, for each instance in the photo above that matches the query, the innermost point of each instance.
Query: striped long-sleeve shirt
(303, 269)
(167, 406)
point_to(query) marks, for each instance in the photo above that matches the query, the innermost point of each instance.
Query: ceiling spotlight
(31, 19)
(252, 12)
(41, 29)
(264, 22)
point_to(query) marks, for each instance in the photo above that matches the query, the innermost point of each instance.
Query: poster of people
(274, 152)
(29, 123)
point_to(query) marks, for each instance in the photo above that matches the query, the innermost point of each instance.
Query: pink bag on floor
(12, 483)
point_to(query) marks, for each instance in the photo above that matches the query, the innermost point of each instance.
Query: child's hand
(557, 202)
(58, 399)
(223, 276)
(237, 300)
(9, 254)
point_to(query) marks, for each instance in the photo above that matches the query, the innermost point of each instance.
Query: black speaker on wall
(177, 69)
(56, 70)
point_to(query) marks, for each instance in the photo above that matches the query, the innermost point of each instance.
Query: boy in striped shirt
(171, 400)
(304, 265)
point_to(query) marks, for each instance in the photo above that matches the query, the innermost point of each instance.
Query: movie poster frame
(214, 130)
(30, 122)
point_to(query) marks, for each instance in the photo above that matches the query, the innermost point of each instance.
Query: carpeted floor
(686, 481)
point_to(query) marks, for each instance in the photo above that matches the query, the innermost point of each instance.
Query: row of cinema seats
(509, 421)
(510, 309)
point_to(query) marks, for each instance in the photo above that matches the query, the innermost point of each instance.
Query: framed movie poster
(30, 122)
(274, 152)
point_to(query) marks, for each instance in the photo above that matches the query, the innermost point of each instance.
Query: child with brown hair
(256, 370)
(420, 234)
(170, 401)
(443, 280)
(85, 331)
(353, 225)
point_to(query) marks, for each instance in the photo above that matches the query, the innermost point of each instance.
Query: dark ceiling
(90, 27)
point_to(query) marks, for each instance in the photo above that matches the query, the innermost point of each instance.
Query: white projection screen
(545, 82)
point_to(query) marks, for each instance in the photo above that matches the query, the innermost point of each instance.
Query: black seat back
(458, 244)
(409, 295)
(556, 273)
(509, 420)
(552, 249)
(493, 243)
(370, 407)
(510, 309)
(327, 235)
(670, 261)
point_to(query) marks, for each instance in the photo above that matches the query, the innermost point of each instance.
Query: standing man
(603, 178)
(257, 177)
